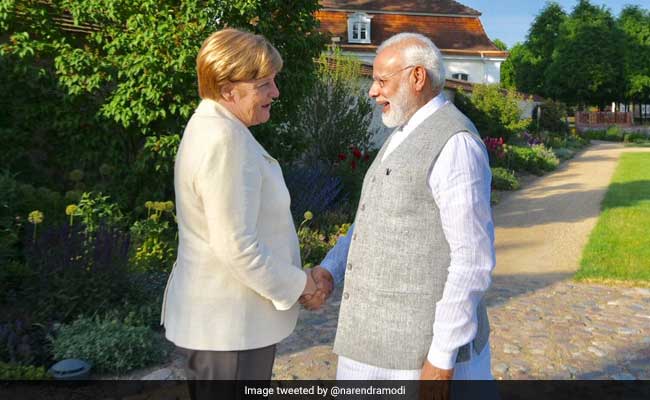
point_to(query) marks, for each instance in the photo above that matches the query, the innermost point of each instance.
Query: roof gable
(439, 7)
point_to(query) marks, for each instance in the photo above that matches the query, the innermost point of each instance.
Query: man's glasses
(381, 80)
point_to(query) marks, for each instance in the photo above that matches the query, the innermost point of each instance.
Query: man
(418, 259)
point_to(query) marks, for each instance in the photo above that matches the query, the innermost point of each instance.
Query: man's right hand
(325, 286)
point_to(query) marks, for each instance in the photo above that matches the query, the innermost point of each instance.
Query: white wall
(480, 70)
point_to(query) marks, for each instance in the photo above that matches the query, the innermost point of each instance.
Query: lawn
(619, 246)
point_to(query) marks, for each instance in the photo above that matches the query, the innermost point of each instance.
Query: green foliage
(611, 134)
(338, 112)
(553, 117)
(535, 160)
(525, 67)
(494, 111)
(14, 277)
(503, 179)
(154, 239)
(13, 372)
(636, 137)
(500, 44)
(590, 46)
(109, 345)
(89, 97)
(95, 209)
(315, 243)
(634, 22)
(563, 153)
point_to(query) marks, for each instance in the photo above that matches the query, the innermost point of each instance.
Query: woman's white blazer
(237, 277)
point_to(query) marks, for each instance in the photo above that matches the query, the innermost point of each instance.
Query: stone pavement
(544, 325)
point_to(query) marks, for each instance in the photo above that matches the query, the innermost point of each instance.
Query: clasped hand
(318, 288)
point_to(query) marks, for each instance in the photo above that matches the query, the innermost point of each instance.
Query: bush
(636, 137)
(314, 243)
(494, 111)
(338, 113)
(154, 241)
(312, 188)
(77, 272)
(109, 345)
(25, 343)
(563, 153)
(352, 167)
(22, 372)
(611, 134)
(503, 179)
(553, 117)
(536, 159)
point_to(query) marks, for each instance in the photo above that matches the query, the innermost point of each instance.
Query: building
(359, 26)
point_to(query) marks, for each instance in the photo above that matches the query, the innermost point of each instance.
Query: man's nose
(374, 90)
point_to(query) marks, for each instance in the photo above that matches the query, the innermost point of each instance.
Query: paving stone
(500, 368)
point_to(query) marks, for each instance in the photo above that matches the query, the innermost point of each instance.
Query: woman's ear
(228, 91)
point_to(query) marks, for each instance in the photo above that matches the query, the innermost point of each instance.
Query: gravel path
(544, 325)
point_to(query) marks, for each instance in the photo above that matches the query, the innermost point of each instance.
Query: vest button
(349, 267)
(373, 179)
(346, 295)
(354, 237)
(363, 207)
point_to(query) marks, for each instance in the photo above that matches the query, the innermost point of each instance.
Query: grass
(619, 246)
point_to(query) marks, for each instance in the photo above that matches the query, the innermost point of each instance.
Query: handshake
(318, 288)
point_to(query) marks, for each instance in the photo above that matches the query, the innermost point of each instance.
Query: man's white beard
(401, 107)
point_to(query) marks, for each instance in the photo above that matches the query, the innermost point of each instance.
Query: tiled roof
(447, 7)
(450, 34)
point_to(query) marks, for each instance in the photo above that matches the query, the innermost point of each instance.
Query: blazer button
(373, 179)
(363, 207)
(346, 295)
(349, 267)
(354, 237)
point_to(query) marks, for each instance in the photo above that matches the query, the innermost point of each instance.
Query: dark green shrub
(109, 345)
(636, 137)
(13, 372)
(25, 343)
(553, 117)
(503, 179)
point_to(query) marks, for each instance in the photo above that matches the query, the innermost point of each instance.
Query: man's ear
(420, 77)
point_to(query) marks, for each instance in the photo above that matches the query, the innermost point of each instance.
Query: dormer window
(460, 77)
(359, 28)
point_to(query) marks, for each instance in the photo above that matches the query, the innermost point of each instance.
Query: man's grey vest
(398, 258)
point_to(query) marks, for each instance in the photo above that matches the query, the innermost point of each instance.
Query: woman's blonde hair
(231, 55)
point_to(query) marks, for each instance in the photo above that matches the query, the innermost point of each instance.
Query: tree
(634, 22)
(586, 67)
(134, 67)
(521, 70)
(500, 44)
(525, 67)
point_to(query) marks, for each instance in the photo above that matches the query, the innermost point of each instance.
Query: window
(359, 28)
(460, 77)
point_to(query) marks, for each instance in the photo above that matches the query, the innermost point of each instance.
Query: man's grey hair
(420, 51)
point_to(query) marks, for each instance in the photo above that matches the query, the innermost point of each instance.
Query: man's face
(391, 87)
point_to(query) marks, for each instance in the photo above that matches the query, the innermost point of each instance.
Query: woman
(233, 290)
